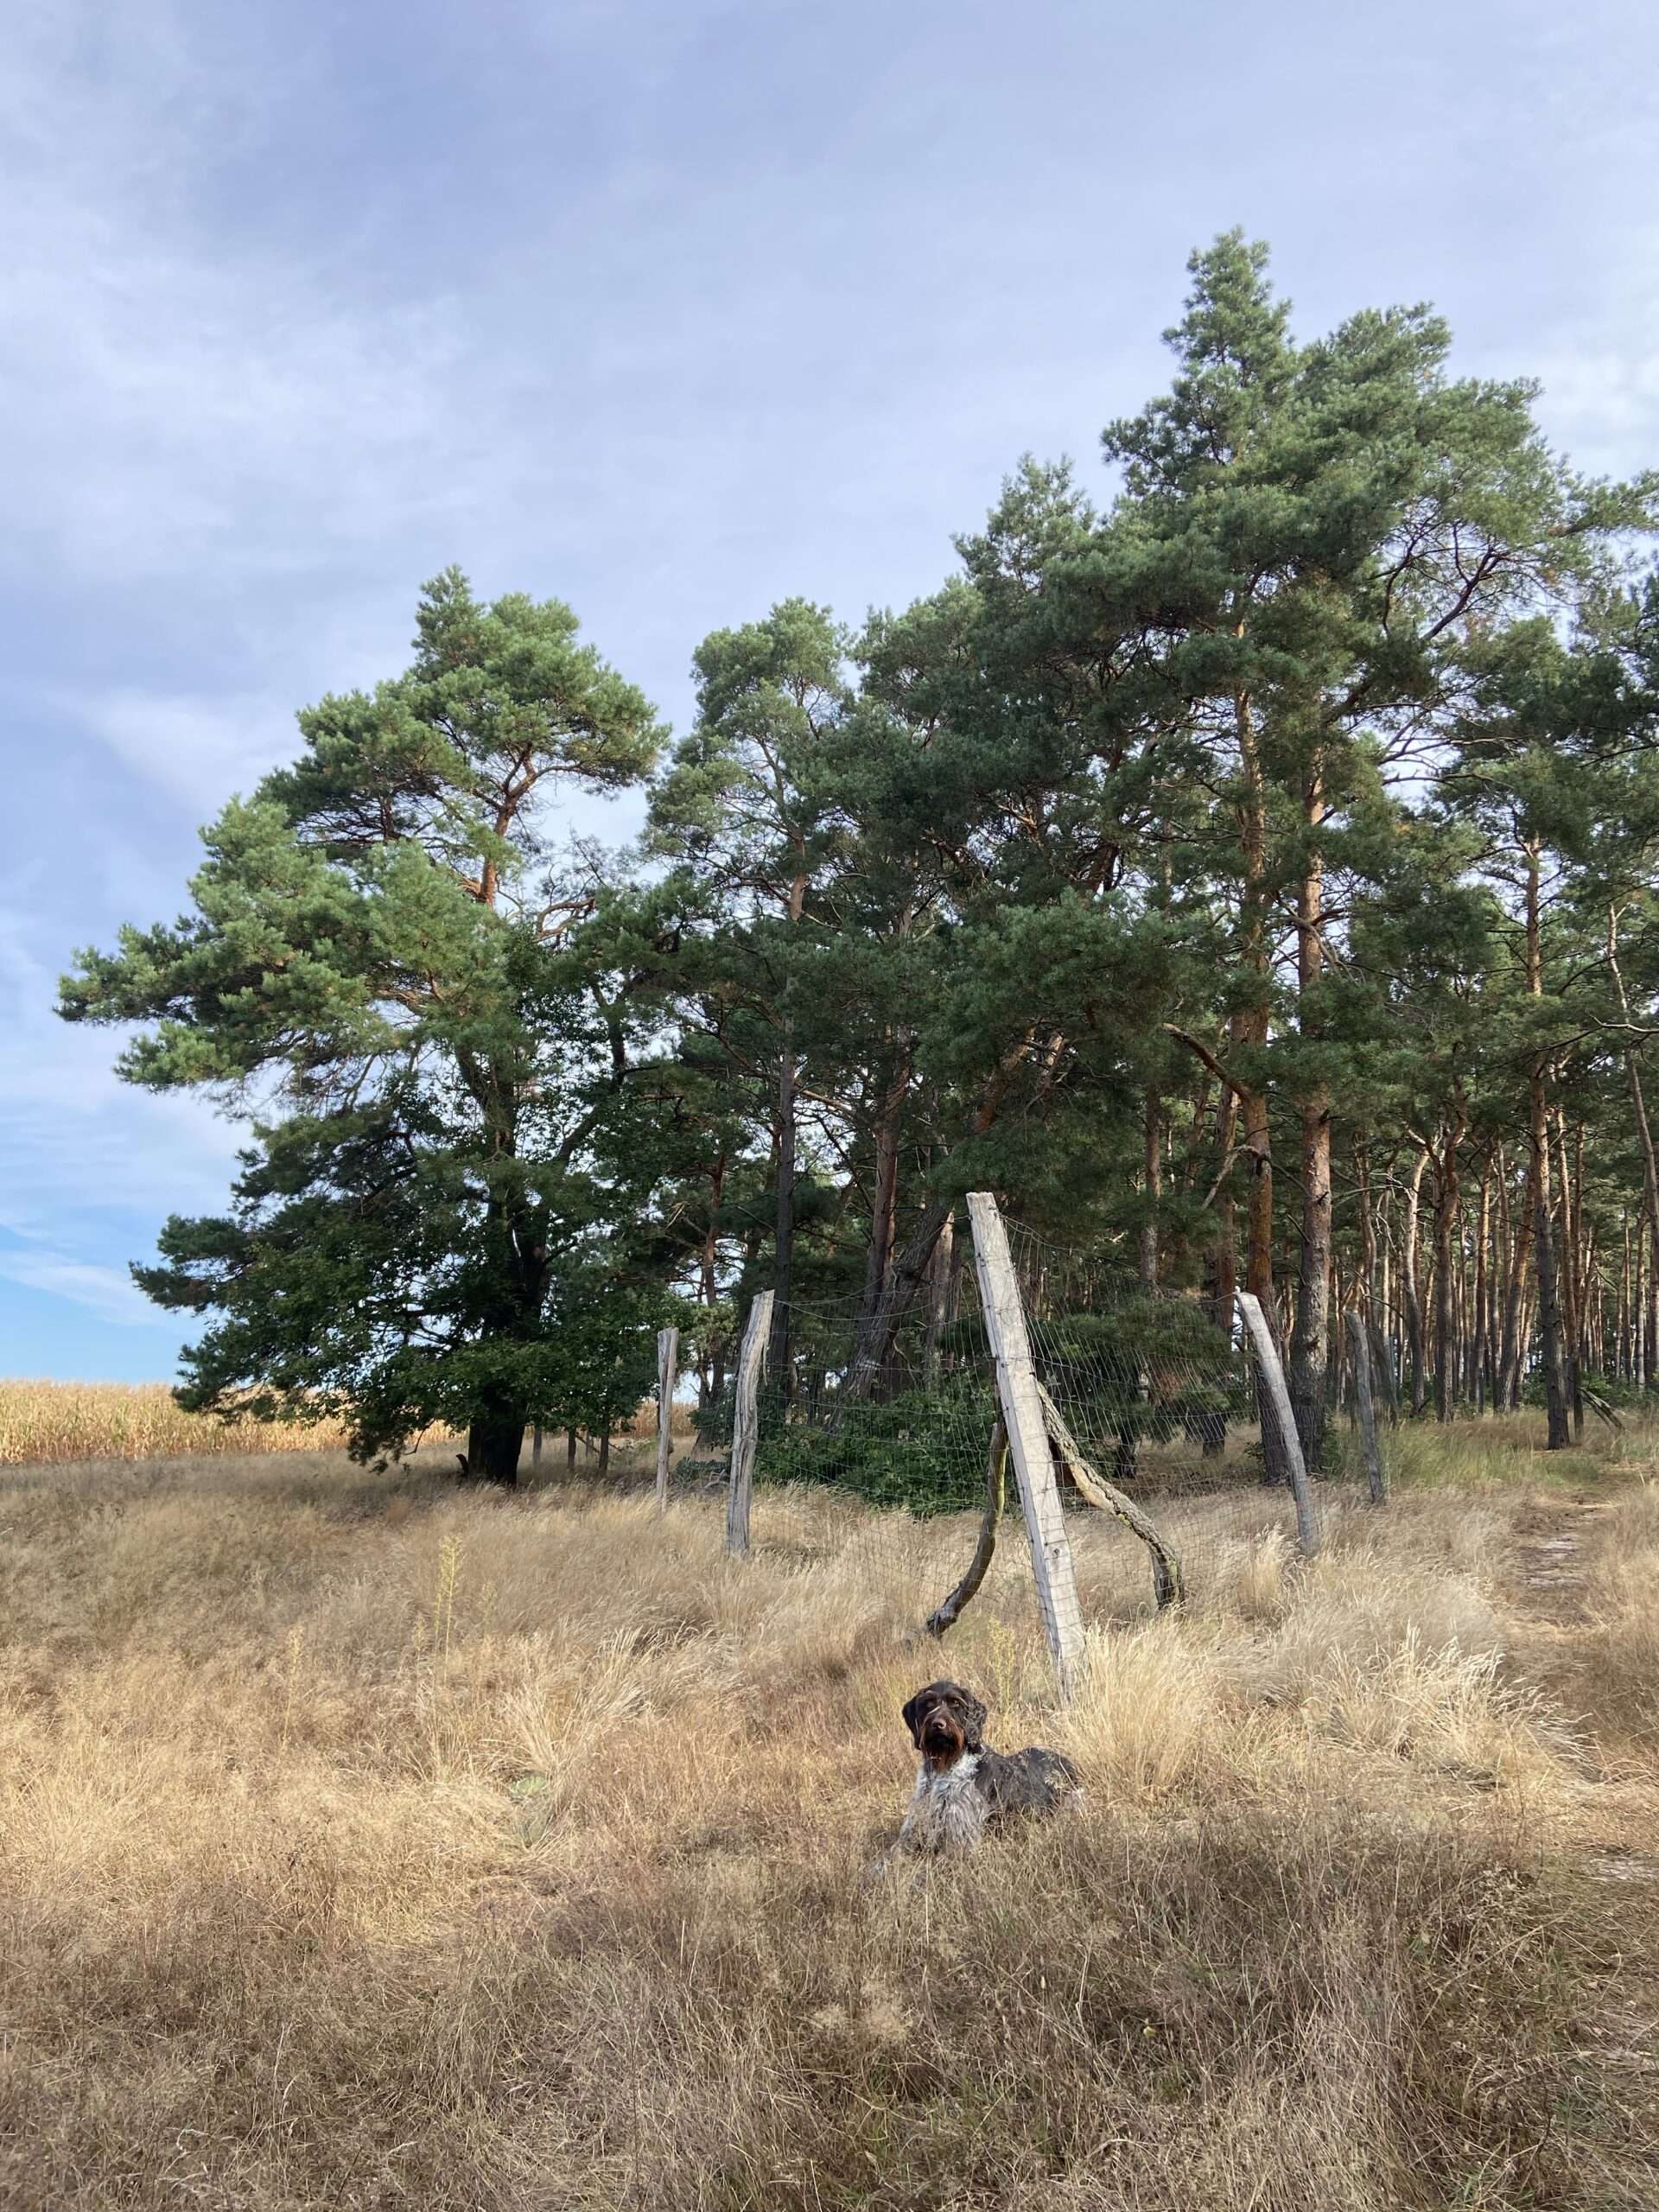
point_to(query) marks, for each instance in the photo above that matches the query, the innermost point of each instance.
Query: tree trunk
(1249, 1025)
(1639, 1369)
(784, 1228)
(1479, 1372)
(1368, 1303)
(878, 1256)
(493, 1443)
(877, 1329)
(1506, 1395)
(1549, 1318)
(1571, 1288)
(1310, 1343)
(1152, 1188)
(1310, 1338)
(1226, 1259)
(939, 1286)
(1410, 1291)
(784, 1216)
(1445, 1381)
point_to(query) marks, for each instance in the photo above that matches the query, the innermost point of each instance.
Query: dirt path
(1555, 1536)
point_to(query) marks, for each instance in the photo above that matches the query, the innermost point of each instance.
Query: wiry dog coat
(962, 1788)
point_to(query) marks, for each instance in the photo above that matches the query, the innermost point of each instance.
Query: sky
(669, 309)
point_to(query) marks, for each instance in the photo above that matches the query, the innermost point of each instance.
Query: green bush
(924, 1452)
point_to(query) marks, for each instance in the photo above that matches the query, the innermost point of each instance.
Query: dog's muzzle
(942, 1737)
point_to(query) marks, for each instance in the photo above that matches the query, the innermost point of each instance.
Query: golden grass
(52, 1422)
(1621, 1651)
(363, 1843)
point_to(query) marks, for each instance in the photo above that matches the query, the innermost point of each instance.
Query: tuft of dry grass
(364, 1843)
(1621, 1652)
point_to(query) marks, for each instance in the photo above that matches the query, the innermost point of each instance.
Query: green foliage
(1129, 1366)
(450, 1153)
(918, 1451)
(1282, 815)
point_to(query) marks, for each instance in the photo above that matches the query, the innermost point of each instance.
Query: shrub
(923, 1451)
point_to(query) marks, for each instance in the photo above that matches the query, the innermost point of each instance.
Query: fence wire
(1158, 1394)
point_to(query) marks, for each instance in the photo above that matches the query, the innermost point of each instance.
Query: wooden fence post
(1034, 1467)
(667, 1361)
(1357, 1338)
(745, 1425)
(1268, 1367)
(536, 1445)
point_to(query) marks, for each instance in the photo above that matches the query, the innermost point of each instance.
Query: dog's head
(945, 1723)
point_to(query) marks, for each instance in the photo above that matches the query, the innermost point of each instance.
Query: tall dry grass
(52, 1422)
(365, 1844)
(46, 1423)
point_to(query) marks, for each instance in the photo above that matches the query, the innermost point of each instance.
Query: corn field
(58, 1421)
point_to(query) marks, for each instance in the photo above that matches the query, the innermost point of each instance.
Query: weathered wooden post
(745, 1424)
(536, 1445)
(1356, 1337)
(1268, 1367)
(1022, 1413)
(668, 1363)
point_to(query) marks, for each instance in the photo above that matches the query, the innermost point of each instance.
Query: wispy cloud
(109, 1293)
(198, 749)
(187, 404)
(76, 1142)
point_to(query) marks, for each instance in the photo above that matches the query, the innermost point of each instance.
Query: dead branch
(1168, 1579)
(996, 1483)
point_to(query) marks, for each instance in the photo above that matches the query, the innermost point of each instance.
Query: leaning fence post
(1367, 1411)
(668, 1360)
(746, 1423)
(1267, 1361)
(1034, 1467)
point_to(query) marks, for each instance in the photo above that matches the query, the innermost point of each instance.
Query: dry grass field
(365, 1844)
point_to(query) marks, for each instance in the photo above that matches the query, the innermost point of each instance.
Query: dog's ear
(974, 1717)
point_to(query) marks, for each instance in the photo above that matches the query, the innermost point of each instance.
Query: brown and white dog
(962, 1788)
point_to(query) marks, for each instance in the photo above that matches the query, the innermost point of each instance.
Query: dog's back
(1035, 1780)
(954, 1806)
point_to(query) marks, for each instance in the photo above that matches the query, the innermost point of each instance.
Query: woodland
(1247, 872)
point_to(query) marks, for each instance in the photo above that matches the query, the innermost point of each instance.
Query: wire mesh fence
(1152, 1407)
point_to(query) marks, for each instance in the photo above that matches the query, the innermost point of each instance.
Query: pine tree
(384, 974)
(1321, 528)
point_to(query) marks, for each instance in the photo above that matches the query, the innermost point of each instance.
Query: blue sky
(669, 310)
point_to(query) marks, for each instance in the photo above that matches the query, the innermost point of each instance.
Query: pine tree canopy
(1248, 874)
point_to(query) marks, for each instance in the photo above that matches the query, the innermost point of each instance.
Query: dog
(962, 1788)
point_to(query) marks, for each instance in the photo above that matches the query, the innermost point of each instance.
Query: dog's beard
(943, 1745)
